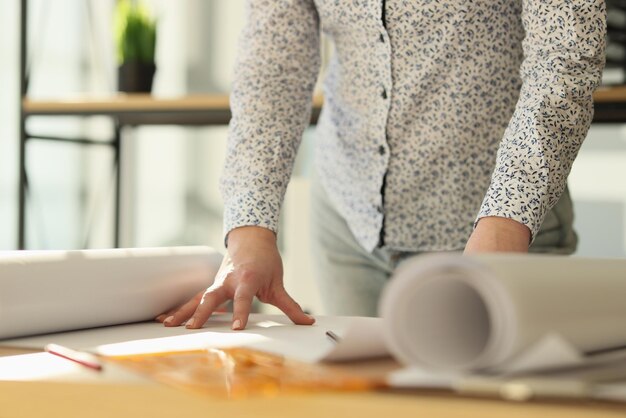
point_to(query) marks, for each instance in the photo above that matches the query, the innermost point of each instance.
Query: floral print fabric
(436, 113)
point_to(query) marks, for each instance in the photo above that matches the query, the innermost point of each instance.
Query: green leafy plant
(135, 33)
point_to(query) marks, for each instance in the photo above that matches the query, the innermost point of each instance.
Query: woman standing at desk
(447, 125)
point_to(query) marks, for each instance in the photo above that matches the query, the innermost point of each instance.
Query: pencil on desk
(80, 357)
(334, 337)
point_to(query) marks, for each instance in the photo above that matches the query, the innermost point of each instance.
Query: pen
(333, 336)
(80, 357)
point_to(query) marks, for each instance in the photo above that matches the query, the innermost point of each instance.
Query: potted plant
(135, 32)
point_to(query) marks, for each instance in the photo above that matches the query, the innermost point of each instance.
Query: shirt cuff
(517, 201)
(250, 210)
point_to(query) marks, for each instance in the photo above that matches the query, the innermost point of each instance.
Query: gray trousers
(351, 279)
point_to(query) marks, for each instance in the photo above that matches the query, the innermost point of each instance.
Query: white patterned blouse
(436, 113)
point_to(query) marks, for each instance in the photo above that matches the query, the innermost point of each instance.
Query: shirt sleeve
(275, 73)
(563, 61)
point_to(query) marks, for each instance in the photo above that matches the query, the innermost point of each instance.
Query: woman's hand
(252, 267)
(495, 234)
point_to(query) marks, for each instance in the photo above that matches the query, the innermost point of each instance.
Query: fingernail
(168, 320)
(237, 324)
(190, 323)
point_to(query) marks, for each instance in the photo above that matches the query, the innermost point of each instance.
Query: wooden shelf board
(121, 103)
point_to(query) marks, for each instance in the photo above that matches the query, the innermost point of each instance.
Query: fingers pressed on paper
(211, 300)
(242, 304)
(290, 307)
(181, 314)
(169, 313)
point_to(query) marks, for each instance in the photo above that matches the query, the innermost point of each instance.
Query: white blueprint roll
(454, 312)
(50, 291)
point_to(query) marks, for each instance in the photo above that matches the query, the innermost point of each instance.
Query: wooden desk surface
(50, 399)
(136, 399)
(11, 351)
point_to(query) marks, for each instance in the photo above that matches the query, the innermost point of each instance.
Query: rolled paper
(52, 291)
(471, 313)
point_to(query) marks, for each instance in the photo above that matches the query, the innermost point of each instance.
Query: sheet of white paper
(440, 311)
(362, 339)
(413, 377)
(270, 333)
(550, 352)
(44, 366)
(615, 392)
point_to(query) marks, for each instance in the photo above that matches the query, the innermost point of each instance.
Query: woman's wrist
(257, 234)
(497, 234)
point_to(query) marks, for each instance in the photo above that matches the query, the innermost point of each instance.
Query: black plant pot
(135, 77)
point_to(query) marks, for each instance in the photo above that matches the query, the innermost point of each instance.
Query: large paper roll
(50, 291)
(448, 311)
